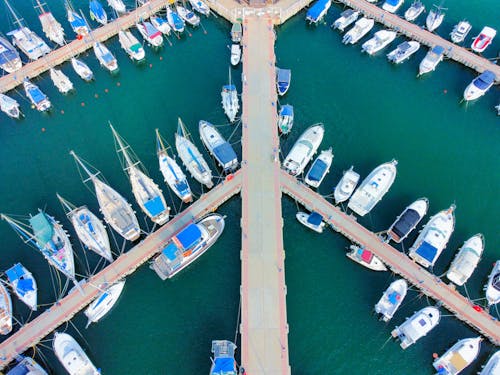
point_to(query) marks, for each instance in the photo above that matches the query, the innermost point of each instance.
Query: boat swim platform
(34, 331)
(398, 262)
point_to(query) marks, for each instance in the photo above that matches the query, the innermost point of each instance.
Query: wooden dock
(31, 333)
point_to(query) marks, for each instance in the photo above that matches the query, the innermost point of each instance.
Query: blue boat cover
(427, 251)
(406, 222)
(318, 170)
(177, 20)
(223, 365)
(20, 369)
(169, 251)
(286, 110)
(438, 50)
(108, 57)
(485, 80)
(314, 218)
(394, 297)
(37, 95)
(315, 11)
(42, 228)
(225, 153)
(189, 236)
(154, 206)
(16, 272)
(284, 75)
(229, 87)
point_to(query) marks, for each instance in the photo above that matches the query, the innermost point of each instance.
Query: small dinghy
(408, 220)
(72, 356)
(417, 326)
(313, 220)
(365, 258)
(466, 260)
(235, 54)
(102, 304)
(283, 77)
(391, 299)
(285, 119)
(346, 186)
(23, 284)
(319, 168)
(9, 106)
(458, 357)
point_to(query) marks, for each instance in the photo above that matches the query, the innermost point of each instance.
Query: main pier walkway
(264, 328)
(31, 333)
(398, 262)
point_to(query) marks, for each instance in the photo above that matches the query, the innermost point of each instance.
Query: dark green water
(372, 112)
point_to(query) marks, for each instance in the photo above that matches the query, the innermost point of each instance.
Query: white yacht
(230, 102)
(415, 10)
(147, 194)
(235, 54)
(131, 45)
(200, 7)
(493, 285)
(366, 258)
(466, 260)
(431, 60)
(391, 299)
(373, 188)
(403, 51)
(36, 96)
(82, 69)
(23, 284)
(379, 41)
(460, 31)
(188, 16)
(458, 357)
(72, 356)
(359, 30)
(417, 326)
(161, 24)
(346, 186)
(313, 220)
(60, 80)
(105, 57)
(304, 149)
(434, 18)
(52, 29)
(392, 6)
(117, 5)
(116, 210)
(346, 18)
(408, 220)
(89, 229)
(5, 311)
(104, 302)
(191, 157)
(433, 238)
(9, 106)
(151, 34)
(218, 147)
(319, 168)
(479, 85)
(492, 367)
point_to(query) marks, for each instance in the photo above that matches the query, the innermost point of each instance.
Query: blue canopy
(317, 170)
(154, 206)
(317, 9)
(284, 75)
(229, 87)
(169, 251)
(392, 2)
(485, 80)
(427, 251)
(37, 95)
(17, 272)
(225, 153)
(78, 21)
(314, 218)
(189, 236)
(286, 110)
(438, 50)
(20, 369)
(224, 366)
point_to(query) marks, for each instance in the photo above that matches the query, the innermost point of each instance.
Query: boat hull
(466, 260)
(391, 299)
(366, 258)
(346, 186)
(408, 220)
(304, 149)
(302, 218)
(417, 326)
(104, 302)
(458, 357)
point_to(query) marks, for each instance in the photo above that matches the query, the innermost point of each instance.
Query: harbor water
(373, 112)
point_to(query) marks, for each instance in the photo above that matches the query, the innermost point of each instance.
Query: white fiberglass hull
(5, 311)
(359, 30)
(29, 296)
(326, 157)
(72, 356)
(379, 41)
(161, 24)
(434, 20)
(493, 285)
(188, 16)
(117, 5)
(414, 11)
(399, 55)
(193, 161)
(61, 81)
(9, 106)
(104, 302)
(213, 141)
(346, 186)
(29, 43)
(52, 29)
(82, 69)
(417, 326)
(460, 31)
(105, 57)
(391, 299)
(175, 177)
(429, 62)
(466, 260)
(458, 357)
(304, 149)
(302, 218)
(366, 258)
(131, 45)
(153, 38)
(408, 220)
(235, 54)
(492, 367)
(345, 20)
(200, 7)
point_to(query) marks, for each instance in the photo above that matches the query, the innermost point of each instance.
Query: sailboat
(77, 21)
(230, 102)
(150, 33)
(218, 147)
(9, 58)
(131, 45)
(23, 284)
(200, 7)
(116, 210)
(61, 80)
(72, 356)
(5, 311)
(52, 29)
(104, 302)
(97, 12)
(187, 15)
(26, 40)
(172, 173)
(147, 194)
(117, 5)
(89, 229)
(82, 69)
(39, 100)
(49, 237)
(191, 157)
(174, 20)
(105, 57)
(9, 106)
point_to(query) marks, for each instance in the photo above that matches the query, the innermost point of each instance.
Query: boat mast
(180, 125)
(92, 176)
(19, 227)
(67, 205)
(160, 147)
(40, 7)
(123, 149)
(18, 20)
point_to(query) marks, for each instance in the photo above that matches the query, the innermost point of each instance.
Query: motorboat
(26, 366)
(131, 45)
(379, 41)
(415, 10)
(359, 30)
(104, 302)
(218, 147)
(313, 220)
(9, 58)
(434, 18)
(391, 299)
(82, 69)
(479, 85)
(89, 228)
(283, 77)
(235, 54)
(72, 356)
(466, 260)
(373, 188)
(285, 119)
(105, 57)
(60, 80)
(431, 60)
(366, 258)
(188, 245)
(460, 31)
(458, 357)
(118, 6)
(97, 12)
(172, 173)
(52, 29)
(147, 194)
(77, 22)
(403, 51)
(493, 286)
(188, 16)
(484, 39)
(174, 20)
(392, 6)
(37, 98)
(191, 157)
(223, 362)
(116, 210)
(161, 24)
(200, 7)
(433, 238)
(230, 102)
(5, 311)
(408, 220)
(23, 284)
(417, 326)
(9, 106)
(347, 17)
(236, 32)
(319, 168)
(346, 186)
(318, 10)
(492, 367)
(151, 34)
(304, 149)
